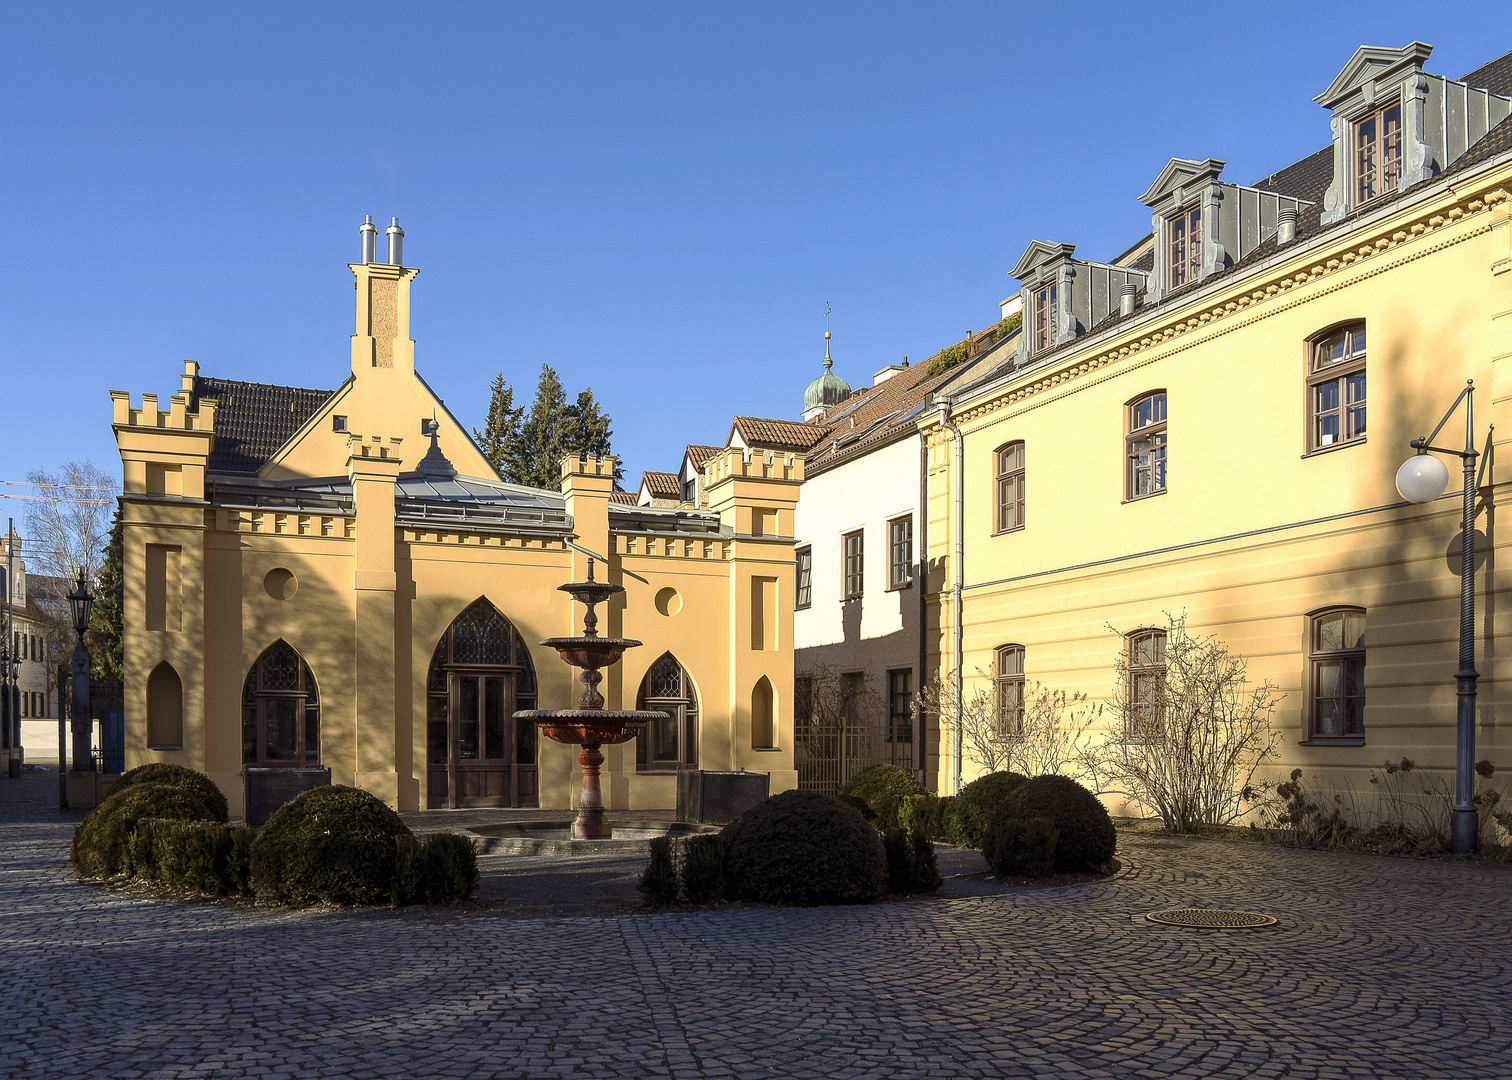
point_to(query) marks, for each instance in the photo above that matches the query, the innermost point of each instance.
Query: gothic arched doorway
(478, 754)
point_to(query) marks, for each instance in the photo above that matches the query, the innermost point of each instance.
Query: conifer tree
(536, 455)
(107, 617)
(502, 428)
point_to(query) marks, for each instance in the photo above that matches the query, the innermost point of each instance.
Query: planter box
(715, 797)
(268, 789)
(86, 790)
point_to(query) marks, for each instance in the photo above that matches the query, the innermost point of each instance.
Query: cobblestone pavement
(1378, 967)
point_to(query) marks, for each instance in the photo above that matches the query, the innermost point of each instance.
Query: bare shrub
(1047, 733)
(1188, 744)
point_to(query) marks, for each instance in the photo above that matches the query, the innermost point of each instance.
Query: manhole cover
(1210, 918)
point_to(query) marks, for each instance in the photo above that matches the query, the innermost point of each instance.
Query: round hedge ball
(972, 811)
(196, 783)
(802, 848)
(1086, 831)
(331, 844)
(99, 843)
(883, 788)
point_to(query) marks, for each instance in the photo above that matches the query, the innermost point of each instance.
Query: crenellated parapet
(164, 451)
(755, 491)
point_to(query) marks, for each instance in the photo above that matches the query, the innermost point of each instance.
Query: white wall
(864, 493)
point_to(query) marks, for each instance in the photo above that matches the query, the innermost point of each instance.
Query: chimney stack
(369, 233)
(396, 244)
(1286, 226)
(1126, 299)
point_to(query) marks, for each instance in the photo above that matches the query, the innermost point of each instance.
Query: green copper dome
(829, 388)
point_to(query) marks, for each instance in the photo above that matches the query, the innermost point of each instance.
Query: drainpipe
(921, 755)
(958, 521)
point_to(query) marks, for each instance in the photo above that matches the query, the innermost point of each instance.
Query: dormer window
(1184, 247)
(1377, 152)
(1045, 309)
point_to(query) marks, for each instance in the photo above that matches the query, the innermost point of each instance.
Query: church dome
(828, 389)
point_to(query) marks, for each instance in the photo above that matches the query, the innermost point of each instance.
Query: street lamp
(7, 728)
(1422, 479)
(80, 602)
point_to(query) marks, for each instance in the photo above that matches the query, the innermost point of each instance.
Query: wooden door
(482, 754)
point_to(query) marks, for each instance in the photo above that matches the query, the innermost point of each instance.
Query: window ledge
(1320, 451)
(766, 749)
(802, 607)
(1352, 740)
(899, 588)
(1144, 498)
(165, 746)
(1005, 532)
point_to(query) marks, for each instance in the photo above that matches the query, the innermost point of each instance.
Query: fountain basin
(597, 727)
(555, 837)
(590, 651)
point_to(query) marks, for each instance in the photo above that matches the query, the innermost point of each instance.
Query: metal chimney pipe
(396, 244)
(1126, 299)
(1286, 226)
(369, 233)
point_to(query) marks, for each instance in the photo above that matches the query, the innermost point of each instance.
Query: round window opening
(281, 584)
(668, 602)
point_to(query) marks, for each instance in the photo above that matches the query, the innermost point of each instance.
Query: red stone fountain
(590, 725)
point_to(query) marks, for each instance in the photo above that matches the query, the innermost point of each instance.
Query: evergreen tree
(107, 617)
(589, 431)
(502, 428)
(535, 458)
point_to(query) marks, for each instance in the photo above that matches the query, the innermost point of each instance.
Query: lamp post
(1422, 479)
(13, 701)
(6, 727)
(80, 601)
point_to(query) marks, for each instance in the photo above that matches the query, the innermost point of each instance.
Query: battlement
(176, 417)
(754, 464)
(373, 446)
(589, 465)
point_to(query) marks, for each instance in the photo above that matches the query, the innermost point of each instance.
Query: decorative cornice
(1226, 318)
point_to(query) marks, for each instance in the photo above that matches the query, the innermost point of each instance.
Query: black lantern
(81, 601)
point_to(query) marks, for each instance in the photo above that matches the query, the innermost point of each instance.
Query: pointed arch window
(280, 711)
(672, 742)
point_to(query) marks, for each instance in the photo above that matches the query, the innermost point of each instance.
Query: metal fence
(828, 755)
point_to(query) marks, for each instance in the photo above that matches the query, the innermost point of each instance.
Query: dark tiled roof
(662, 484)
(1495, 76)
(700, 454)
(1496, 141)
(777, 434)
(1306, 179)
(254, 419)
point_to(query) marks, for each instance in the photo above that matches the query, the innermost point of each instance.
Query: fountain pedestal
(590, 725)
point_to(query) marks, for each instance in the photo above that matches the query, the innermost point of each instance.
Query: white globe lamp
(1422, 478)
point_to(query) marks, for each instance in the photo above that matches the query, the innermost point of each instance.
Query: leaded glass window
(280, 711)
(670, 742)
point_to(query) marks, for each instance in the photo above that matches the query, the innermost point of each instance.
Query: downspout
(921, 762)
(957, 528)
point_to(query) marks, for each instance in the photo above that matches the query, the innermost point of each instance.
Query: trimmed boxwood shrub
(971, 811)
(1086, 839)
(332, 844)
(163, 772)
(703, 869)
(205, 856)
(911, 865)
(451, 868)
(99, 847)
(658, 881)
(803, 848)
(1016, 846)
(883, 788)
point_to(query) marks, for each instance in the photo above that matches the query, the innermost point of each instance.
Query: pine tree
(590, 431)
(107, 617)
(502, 428)
(535, 458)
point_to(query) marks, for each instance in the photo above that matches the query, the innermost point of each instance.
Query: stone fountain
(590, 725)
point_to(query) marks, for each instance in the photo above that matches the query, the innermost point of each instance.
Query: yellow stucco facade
(358, 542)
(1256, 529)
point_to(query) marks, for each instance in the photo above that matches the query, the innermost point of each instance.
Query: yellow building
(1184, 430)
(341, 580)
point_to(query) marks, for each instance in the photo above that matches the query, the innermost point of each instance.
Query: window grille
(900, 553)
(1337, 676)
(1336, 388)
(852, 545)
(670, 742)
(1009, 687)
(1184, 247)
(1010, 487)
(1046, 307)
(1146, 689)
(481, 636)
(1147, 449)
(1378, 152)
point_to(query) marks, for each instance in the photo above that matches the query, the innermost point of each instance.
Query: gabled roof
(1180, 173)
(1371, 63)
(254, 419)
(623, 498)
(661, 485)
(1039, 251)
(698, 454)
(767, 434)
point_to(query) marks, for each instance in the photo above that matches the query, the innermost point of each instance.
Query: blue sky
(656, 199)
